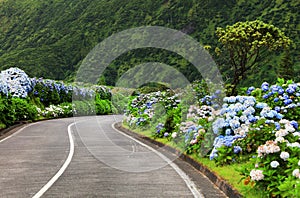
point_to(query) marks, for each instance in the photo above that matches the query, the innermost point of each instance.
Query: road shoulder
(210, 183)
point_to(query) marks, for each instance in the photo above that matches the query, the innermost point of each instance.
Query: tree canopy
(246, 44)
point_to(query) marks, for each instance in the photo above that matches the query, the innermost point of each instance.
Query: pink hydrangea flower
(256, 175)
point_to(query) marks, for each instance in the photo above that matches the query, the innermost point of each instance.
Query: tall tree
(246, 44)
(286, 69)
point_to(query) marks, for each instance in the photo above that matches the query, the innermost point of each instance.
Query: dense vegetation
(23, 98)
(257, 130)
(50, 38)
(258, 127)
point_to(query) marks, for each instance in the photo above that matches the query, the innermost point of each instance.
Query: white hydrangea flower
(279, 139)
(296, 173)
(174, 135)
(274, 164)
(294, 144)
(210, 119)
(289, 127)
(296, 134)
(284, 121)
(256, 175)
(284, 155)
(281, 133)
(269, 147)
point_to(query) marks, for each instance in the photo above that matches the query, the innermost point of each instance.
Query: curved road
(87, 157)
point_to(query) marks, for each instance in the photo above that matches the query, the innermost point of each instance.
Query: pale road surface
(87, 157)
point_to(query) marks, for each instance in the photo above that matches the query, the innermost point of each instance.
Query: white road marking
(21, 129)
(191, 185)
(62, 169)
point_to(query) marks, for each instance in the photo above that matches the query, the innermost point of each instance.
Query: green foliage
(23, 110)
(173, 119)
(119, 99)
(90, 107)
(200, 89)
(16, 109)
(103, 107)
(47, 95)
(246, 44)
(103, 92)
(225, 156)
(7, 115)
(152, 87)
(286, 69)
(83, 108)
(51, 38)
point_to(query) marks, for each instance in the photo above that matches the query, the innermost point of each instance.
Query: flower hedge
(258, 128)
(25, 98)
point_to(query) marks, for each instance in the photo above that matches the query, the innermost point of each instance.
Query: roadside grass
(228, 173)
(2, 126)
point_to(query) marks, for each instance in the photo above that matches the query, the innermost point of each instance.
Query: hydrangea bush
(193, 131)
(22, 97)
(260, 128)
(283, 97)
(277, 162)
(15, 82)
(148, 110)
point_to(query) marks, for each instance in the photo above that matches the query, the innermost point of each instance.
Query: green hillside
(50, 38)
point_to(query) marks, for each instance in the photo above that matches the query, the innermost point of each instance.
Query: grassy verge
(228, 173)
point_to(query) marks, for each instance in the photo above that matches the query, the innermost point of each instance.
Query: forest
(51, 38)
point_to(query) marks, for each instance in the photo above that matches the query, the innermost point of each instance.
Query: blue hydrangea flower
(261, 105)
(291, 106)
(230, 99)
(265, 86)
(275, 88)
(252, 119)
(269, 121)
(287, 101)
(250, 89)
(290, 90)
(280, 91)
(277, 126)
(237, 149)
(265, 96)
(277, 108)
(276, 99)
(294, 124)
(279, 116)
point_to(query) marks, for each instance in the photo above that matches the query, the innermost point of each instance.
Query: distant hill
(50, 38)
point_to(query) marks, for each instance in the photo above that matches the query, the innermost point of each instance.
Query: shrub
(23, 110)
(7, 115)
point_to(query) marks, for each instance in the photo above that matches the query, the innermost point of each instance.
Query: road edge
(212, 176)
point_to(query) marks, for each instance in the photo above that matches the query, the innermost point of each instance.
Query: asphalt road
(87, 157)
